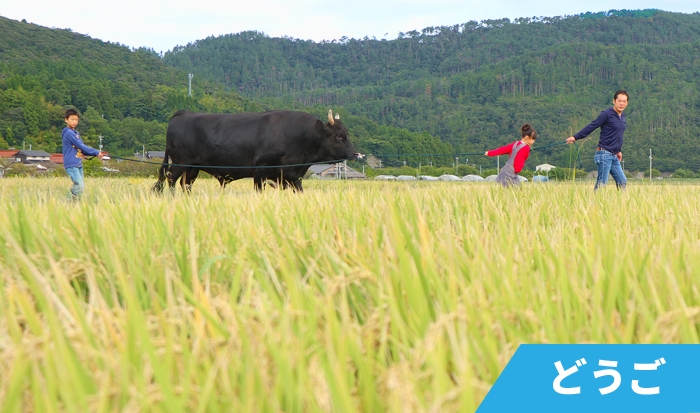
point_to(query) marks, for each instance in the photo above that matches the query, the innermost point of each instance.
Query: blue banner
(598, 378)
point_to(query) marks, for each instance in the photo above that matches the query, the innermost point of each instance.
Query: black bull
(249, 143)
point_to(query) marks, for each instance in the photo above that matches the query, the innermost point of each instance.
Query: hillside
(125, 95)
(474, 84)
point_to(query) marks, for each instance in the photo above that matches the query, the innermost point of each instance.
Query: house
(56, 158)
(325, 171)
(31, 157)
(9, 154)
(319, 171)
(155, 154)
(150, 155)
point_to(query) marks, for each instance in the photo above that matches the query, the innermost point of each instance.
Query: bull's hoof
(157, 187)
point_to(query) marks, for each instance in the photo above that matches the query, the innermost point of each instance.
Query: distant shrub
(684, 174)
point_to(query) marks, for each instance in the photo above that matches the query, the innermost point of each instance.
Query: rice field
(354, 296)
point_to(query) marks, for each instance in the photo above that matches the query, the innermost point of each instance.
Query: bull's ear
(319, 125)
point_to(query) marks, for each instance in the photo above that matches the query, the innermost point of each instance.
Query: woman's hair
(526, 130)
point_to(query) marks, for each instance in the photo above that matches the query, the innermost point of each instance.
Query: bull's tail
(160, 184)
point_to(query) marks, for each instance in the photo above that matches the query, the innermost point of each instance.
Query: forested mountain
(126, 95)
(450, 89)
(256, 64)
(473, 84)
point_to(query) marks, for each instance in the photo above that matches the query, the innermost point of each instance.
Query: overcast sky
(162, 24)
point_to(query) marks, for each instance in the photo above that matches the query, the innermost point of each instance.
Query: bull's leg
(173, 175)
(258, 180)
(158, 186)
(188, 179)
(297, 186)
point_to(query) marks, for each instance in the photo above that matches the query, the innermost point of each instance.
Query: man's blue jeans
(76, 175)
(608, 164)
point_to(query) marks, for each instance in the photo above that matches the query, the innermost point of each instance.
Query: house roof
(48, 164)
(319, 168)
(8, 153)
(155, 154)
(348, 173)
(355, 175)
(545, 167)
(351, 173)
(57, 158)
(34, 153)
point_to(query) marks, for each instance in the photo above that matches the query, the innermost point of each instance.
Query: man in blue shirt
(612, 123)
(74, 150)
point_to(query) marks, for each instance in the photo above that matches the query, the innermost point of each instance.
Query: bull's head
(336, 141)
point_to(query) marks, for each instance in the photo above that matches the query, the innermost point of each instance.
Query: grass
(355, 296)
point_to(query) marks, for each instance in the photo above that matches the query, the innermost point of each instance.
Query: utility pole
(498, 164)
(345, 166)
(143, 153)
(456, 165)
(100, 143)
(649, 164)
(190, 75)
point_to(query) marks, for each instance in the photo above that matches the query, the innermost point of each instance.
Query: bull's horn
(330, 117)
(337, 117)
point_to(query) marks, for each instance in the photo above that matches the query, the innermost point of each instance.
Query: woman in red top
(519, 151)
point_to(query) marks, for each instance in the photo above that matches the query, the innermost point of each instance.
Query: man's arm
(598, 122)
